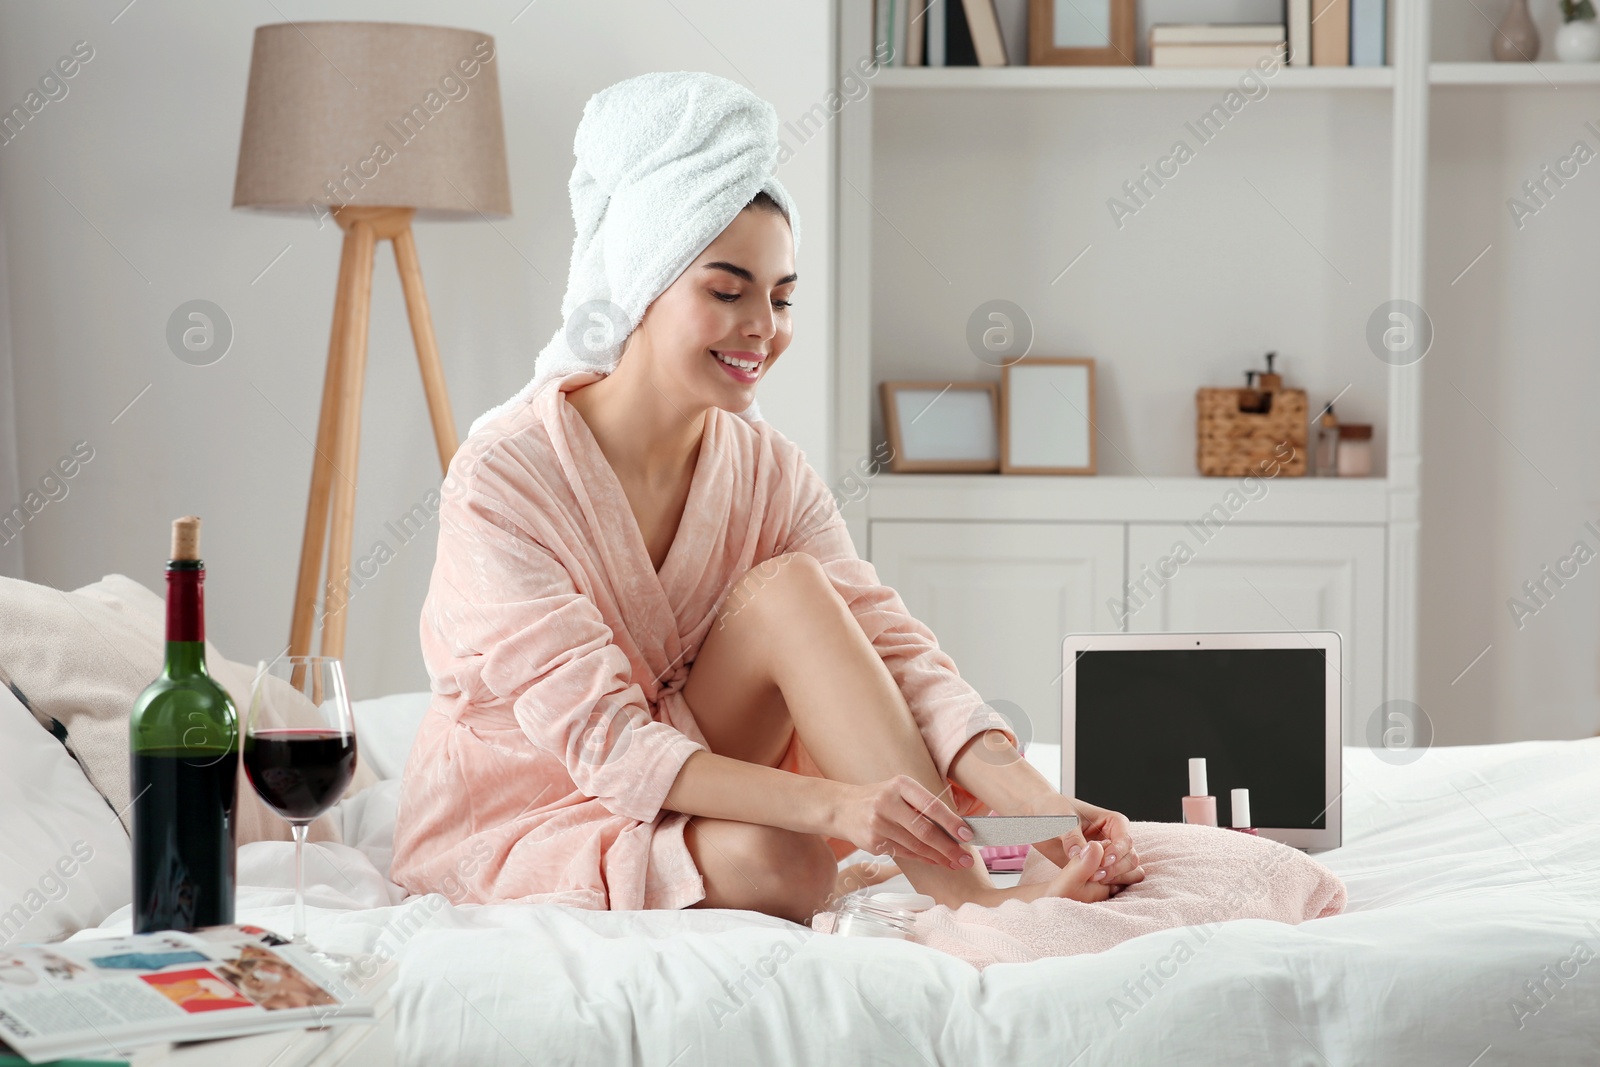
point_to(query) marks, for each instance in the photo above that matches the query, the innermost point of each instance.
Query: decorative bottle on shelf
(1270, 379)
(1327, 455)
(1516, 39)
(1251, 400)
(184, 763)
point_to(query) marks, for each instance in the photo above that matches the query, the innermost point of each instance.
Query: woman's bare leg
(787, 655)
(768, 869)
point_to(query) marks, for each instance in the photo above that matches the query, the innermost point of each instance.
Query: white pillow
(385, 728)
(65, 862)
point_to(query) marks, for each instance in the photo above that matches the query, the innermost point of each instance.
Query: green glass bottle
(184, 755)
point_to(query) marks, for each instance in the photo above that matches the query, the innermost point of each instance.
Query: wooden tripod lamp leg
(444, 423)
(316, 529)
(347, 451)
(333, 473)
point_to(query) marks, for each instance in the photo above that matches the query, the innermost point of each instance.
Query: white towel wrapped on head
(665, 161)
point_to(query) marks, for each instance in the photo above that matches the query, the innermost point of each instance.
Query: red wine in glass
(300, 755)
(300, 772)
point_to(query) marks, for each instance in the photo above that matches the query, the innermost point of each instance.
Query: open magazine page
(113, 994)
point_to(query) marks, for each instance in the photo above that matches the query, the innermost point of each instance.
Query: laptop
(1262, 709)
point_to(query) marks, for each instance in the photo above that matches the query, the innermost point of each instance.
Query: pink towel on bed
(1193, 875)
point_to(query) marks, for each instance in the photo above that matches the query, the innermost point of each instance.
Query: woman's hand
(900, 817)
(1120, 864)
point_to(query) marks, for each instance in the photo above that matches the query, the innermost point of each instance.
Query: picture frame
(942, 426)
(1047, 416)
(1099, 33)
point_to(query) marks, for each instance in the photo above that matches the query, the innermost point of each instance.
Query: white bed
(1470, 872)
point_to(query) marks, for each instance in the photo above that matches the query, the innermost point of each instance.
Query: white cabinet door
(1267, 577)
(1000, 596)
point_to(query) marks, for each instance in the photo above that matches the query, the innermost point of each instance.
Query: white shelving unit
(1458, 73)
(1124, 78)
(1001, 566)
(1535, 74)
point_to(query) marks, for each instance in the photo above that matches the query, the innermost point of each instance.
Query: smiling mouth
(747, 365)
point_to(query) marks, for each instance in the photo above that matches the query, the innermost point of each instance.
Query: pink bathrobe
(557, 656)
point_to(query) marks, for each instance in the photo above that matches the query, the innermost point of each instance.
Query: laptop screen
(1256, 715)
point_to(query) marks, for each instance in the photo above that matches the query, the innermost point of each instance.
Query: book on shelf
(1297, 18)
(993, 33)
(1013, 16)
(1340, 33)
(891, 26)
(913, 29)
(1216, 33)
(104, 998)
(1330, 33)
(955, 33)
(1215, 44)
(917, 32)
(958, 47)
(984, 25)
(1213, 55)
(1369, 33)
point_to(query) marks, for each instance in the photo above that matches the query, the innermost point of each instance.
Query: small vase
(1516, 40)
(1578, 41)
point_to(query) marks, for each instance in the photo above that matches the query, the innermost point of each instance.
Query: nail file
(1018, 829)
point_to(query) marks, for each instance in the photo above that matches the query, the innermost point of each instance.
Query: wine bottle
(184, 752)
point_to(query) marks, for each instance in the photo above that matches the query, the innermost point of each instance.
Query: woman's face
(734, 300)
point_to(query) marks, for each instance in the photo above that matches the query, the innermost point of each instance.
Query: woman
(662, 678)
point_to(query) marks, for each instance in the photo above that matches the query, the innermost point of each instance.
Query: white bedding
(1471, 872)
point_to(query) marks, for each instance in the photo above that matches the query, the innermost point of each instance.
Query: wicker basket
(1232, 443)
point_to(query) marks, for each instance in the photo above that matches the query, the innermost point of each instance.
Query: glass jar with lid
(1355, 450)
(879, 914)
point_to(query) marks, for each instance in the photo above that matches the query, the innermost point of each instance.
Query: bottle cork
(186, 537)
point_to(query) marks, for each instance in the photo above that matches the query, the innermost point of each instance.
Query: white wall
(1509, 420)
(115, 202)
(10, 492)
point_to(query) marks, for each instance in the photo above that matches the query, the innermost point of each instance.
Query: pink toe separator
(1004, 857)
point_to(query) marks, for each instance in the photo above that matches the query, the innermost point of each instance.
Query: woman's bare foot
(1074, 882)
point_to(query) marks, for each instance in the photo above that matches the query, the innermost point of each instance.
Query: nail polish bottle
(1240, 803)
(1198, 807)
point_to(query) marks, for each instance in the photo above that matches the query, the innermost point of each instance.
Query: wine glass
(300, 754)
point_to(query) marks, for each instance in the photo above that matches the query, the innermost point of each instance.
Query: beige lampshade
(381, 114)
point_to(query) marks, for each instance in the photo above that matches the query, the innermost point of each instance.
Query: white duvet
(1470, 939)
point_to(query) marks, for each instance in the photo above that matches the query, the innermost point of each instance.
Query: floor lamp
(367, 124)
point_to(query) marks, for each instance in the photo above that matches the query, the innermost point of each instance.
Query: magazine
(99, 996)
